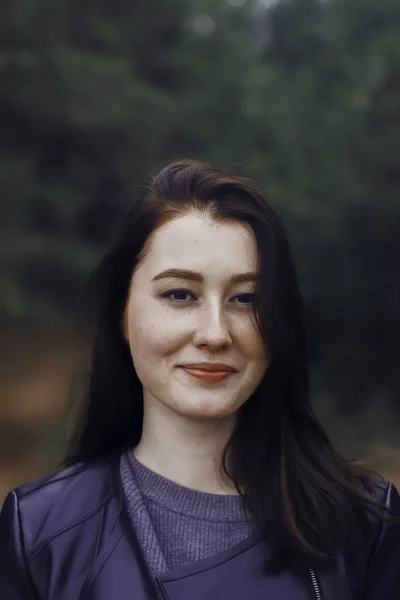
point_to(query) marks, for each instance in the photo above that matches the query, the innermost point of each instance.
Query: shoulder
(55, 525)
(377, 487)
(384, 493)
(368, 565)
(45, 507)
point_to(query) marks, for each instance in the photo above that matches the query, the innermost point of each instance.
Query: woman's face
(189, 320)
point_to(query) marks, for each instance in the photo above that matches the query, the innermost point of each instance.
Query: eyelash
(167, 296)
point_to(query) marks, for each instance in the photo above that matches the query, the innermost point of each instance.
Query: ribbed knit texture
(176, 525)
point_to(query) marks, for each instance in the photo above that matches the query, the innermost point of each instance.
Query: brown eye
(178, 295)
(245, 299)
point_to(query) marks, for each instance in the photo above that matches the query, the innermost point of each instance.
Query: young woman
(198, 469)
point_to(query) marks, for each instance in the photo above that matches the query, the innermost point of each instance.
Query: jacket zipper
(314, 580)
(313, 576)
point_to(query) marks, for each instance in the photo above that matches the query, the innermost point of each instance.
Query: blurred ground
(35, 372)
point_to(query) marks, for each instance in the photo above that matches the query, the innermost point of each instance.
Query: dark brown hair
(302, 494)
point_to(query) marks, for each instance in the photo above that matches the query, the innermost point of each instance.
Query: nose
(212, 328)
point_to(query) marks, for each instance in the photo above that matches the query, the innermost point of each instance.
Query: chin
(206, 411)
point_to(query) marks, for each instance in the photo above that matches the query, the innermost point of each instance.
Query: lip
(211, 372)
(209, 367)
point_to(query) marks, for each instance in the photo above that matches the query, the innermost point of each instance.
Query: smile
(212, 376)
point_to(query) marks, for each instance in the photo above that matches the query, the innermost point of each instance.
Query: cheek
(251, 341)
(146, 352)
(257, 363)
(152, 334)
(256, 356)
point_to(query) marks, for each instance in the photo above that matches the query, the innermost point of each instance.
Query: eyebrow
(192, 276)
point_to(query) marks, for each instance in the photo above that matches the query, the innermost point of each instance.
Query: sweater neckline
(186, 501)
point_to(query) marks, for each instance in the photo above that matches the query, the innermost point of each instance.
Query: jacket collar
(119, 570)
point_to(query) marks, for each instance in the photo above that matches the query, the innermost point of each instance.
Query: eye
(245, 299)
(178, 295)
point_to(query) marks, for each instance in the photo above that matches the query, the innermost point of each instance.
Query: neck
(185, 451)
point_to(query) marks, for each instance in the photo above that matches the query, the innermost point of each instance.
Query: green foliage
(335, 146)
(304, 97)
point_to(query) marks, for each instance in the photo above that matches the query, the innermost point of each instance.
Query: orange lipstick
(213, 372)
(212, 376)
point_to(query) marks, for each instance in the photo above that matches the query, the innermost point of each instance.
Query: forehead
(197, 242)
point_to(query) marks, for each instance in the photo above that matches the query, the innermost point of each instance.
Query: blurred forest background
(301, 95)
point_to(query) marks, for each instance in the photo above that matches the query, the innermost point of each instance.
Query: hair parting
(300, 492)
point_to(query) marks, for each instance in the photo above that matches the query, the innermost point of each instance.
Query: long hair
(301, 493)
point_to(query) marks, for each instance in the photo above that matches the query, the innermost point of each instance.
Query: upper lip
(212, 367)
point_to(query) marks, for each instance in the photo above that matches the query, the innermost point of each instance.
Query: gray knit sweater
(175, 525)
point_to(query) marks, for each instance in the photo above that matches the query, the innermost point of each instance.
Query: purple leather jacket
(67, 537)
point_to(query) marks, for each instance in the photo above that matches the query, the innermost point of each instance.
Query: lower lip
(213, 376)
